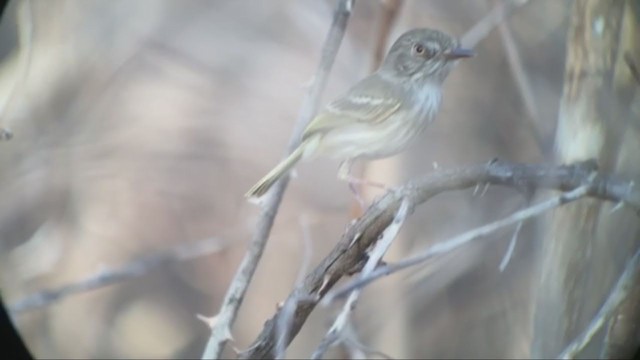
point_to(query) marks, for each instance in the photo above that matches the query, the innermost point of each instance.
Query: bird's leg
(344, 174)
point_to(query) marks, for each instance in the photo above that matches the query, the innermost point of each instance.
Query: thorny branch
(110, 276)
(341, 323)
(364, 232)
(221, 330)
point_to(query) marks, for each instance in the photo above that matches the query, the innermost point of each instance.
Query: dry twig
(236, 292)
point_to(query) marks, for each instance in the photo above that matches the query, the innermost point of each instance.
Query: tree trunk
(585, 245)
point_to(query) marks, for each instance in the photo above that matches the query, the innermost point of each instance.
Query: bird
(382, 114)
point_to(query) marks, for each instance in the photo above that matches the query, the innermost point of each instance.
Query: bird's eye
(423, 51)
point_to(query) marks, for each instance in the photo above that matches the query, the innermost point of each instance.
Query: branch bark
(364, 232)
(221, 330)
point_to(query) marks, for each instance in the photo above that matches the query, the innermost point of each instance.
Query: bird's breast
(388, 137)
(425, 102)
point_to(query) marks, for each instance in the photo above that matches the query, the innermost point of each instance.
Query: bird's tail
(276, 173)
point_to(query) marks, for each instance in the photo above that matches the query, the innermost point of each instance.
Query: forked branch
(363, 233)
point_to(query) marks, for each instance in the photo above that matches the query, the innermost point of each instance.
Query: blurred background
(139, 125)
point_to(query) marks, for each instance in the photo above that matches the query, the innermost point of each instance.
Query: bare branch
(343, 319)
(110, 276)
(364, 232)
(443, 247)
(236, 292)
(619, 293)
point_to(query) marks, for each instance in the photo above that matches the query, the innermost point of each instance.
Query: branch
(364, 232)
(444, 247)
(343, 319)
(110, 276)
(236, 292)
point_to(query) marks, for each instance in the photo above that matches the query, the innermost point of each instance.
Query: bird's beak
(459, 53)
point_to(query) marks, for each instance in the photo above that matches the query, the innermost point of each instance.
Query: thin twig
(483, 27)
(388, 236)
(444, 247)
(512, 246)
(286, 316)
(110, 276)
(236, 292)
(619, 293)
(365, 231)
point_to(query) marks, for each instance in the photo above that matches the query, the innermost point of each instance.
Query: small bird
(383, 113)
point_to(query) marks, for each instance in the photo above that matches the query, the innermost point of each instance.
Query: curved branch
(363, 233)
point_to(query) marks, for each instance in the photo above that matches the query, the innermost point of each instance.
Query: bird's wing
(369, 102)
